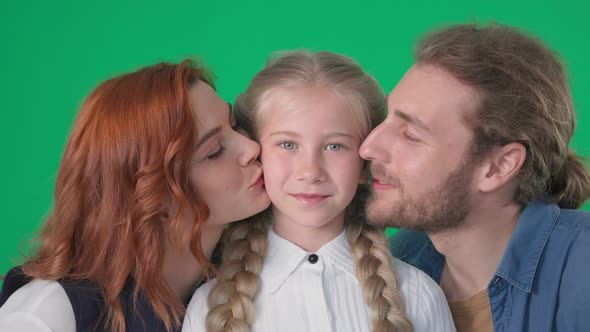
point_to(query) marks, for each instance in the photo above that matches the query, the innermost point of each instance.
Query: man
(473, 158)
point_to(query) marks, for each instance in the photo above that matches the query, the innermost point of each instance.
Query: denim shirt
(543, 281)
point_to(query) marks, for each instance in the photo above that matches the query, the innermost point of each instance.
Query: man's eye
(333, 147)
(287, 145)
(410, 138)
(217, 153)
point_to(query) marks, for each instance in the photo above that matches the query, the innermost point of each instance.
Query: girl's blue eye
(333, 147)
(216, 154)
(287, 145)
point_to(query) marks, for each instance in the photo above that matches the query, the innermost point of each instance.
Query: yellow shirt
(473, 314)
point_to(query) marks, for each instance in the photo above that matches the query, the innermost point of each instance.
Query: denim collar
(526, 245)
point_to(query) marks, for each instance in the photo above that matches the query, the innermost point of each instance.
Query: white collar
(285, 257)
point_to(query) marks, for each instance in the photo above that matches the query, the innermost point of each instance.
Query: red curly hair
(127, 155)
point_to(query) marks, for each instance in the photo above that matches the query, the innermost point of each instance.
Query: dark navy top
(88, 304)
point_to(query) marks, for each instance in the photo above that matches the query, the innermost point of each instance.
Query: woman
(151, 173)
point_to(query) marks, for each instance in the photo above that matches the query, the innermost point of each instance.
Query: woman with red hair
(151, 173)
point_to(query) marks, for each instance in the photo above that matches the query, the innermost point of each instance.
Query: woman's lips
(259, 180)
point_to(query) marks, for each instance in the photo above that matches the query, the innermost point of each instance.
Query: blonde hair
(231, 301)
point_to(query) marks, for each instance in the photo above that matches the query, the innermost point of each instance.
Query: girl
(141, 197)
(319, 266)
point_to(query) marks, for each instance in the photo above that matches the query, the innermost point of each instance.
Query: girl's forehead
(303, 108)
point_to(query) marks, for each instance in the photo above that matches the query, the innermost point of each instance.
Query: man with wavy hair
(473, 162)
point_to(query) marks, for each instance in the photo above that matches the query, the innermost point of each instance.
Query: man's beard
(440, 209)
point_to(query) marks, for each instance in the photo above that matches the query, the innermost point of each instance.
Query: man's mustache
(378, 171)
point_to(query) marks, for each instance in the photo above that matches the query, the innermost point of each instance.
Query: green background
(54, 52)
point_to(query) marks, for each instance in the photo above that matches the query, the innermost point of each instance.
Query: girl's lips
(309, 199)
(378, 185)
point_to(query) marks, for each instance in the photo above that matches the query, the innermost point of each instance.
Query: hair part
(127, 154)
(231, 301)
(525, 99)
(318, 70)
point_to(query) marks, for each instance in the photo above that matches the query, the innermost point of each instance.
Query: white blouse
(299, 293)
(39, 306)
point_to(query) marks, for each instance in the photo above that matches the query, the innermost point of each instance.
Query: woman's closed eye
(216, 154)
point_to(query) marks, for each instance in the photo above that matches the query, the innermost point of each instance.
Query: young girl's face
(310, 157)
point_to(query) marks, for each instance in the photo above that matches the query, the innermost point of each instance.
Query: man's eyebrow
(412, 119)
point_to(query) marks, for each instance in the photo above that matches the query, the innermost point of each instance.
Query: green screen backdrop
(54, 52)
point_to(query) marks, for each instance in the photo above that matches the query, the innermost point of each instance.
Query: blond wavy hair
(232, 300)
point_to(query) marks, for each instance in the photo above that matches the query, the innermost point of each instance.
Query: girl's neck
(306, 236)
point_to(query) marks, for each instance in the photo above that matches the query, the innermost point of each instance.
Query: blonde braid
(375, 270)
(231, 301)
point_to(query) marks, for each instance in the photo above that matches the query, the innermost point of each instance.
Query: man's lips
(378, 185)
(309, 198)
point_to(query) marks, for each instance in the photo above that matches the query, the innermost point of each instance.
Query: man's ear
(364, 177)
(501, 166)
